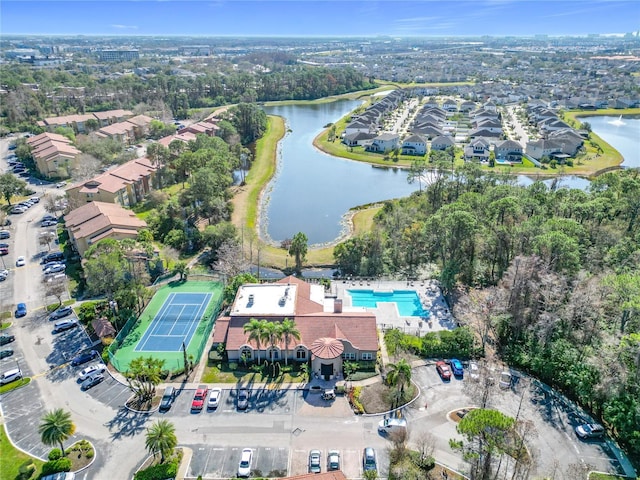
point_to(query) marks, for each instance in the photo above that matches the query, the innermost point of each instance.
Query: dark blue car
(456, 367)
(21, 310)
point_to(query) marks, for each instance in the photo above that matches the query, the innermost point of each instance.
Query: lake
(624, 137)
(312, 191)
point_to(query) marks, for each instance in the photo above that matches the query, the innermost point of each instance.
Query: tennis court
(175, 323)
(179, 313)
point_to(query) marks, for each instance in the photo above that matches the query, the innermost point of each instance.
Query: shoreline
(249, 199)
(580, 170)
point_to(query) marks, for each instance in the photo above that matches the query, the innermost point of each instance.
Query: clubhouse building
(328, 336)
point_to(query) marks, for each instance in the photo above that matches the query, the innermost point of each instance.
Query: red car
(443, 370)
(199, 398)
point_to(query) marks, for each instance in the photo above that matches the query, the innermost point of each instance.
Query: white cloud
(124, 27)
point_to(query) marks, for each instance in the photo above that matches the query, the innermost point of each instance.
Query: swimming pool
(407, 301)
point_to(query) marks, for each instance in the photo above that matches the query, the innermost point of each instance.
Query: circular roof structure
(327, 348)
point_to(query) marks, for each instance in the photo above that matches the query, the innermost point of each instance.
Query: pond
(312, 192)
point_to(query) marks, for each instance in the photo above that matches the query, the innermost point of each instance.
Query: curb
(95, 454)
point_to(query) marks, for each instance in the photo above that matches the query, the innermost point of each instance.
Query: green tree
(234, 284)
(298, 249)
(249, 120)
(143, 376)
(487, 433)
(398, 377)
(10, 185)
(289, 331)
(255, 329)
(417, 171)
(181, 268)
(271, 334)
(161, 438)
(55, 427)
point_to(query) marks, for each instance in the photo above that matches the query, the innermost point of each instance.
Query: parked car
(51, 264)
(506, 379)
(214, 398)
(61, 184)
(443, 370)
(5, 353)
(333, 460)
(198, 398)
(63, 325)
(167, 398)
(92, 381)
(52, 257)
(4, 250)
(35, 199)
(21, 310)
(243, 399)
(83, 357)
(48, 217)
(48, 223)
(55, 269)
(10, 376)
(17, 210)
(4, 234)
(244, 466)
(314, 461)
(4, 339)
(388, 426)
(61, 313)
(474, 370)
(369, 459)
(20, 261)
(590, 430)
(456, 367)
(90, 370)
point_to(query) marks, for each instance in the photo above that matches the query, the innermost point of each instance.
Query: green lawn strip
(13, 385)
(173, 360)
(5, 324)
(11, 459)
(605, 476)
(219, 372)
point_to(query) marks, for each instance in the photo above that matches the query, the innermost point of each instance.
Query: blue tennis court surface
(176, 322)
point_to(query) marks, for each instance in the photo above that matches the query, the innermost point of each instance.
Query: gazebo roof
(327, 348)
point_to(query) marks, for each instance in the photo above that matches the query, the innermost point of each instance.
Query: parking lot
(222, 462)
(262, 401)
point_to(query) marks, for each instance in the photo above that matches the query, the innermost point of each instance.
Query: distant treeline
(34, 94)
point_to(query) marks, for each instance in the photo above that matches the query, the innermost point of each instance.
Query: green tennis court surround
(178, 313)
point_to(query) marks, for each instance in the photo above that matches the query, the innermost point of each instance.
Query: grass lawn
(605, 476)
(219, 372)
(5, 325)
(13, 385)
(11, 459)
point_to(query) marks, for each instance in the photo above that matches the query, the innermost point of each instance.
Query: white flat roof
(265, 299)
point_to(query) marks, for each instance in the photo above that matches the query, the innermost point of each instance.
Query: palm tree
(399, 375)
(288, 331)
(56, 426)
(161, 437)
(271, 333)
(254, 328)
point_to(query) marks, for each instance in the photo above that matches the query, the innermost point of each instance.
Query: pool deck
(387, 316)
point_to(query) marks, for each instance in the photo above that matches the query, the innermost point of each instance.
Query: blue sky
(320, 17)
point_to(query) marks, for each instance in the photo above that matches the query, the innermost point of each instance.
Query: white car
(55, 269)
(214, 398)
(20, 262)
(90, 370)
(244, 467)
(474, 370)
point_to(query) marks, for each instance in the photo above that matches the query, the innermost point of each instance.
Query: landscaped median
(13, 385)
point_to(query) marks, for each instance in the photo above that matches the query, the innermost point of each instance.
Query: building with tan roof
(53, 154)
(185, 137)
(206, 127)
(94, 221)
(77, 121)
(125, 185)
(128, 131)
(328, 336)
